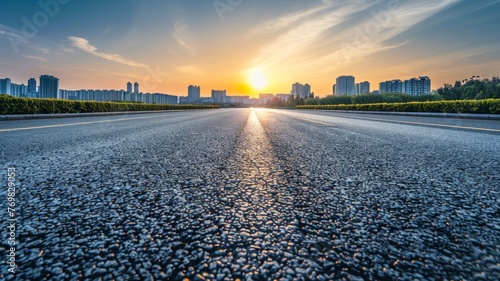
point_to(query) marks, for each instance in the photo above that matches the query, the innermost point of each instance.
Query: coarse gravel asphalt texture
(250, 194)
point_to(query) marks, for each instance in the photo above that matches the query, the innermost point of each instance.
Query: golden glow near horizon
(257, 79)
(256, 47)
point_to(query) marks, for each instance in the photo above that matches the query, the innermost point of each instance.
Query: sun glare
(257, 80)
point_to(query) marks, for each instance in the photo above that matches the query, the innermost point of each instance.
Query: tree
(291, 101)
(473, 88)
(299, 101)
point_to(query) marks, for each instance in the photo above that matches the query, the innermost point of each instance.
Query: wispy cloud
(191, 70)
(181, 37)
(11, 33)
(35, 58)
(486, 5)
(42, 50)
(327, 35)
(38, 44)
(84, 45)
(284, 22)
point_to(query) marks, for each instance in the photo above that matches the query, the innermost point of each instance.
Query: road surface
(252, 194)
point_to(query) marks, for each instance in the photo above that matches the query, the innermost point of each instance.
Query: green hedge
(489, 106)
(13, 105)
(370, 98)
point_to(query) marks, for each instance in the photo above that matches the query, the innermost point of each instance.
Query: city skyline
(412, 86)
(247, 47)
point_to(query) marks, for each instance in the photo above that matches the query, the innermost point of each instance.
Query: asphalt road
(254, 194)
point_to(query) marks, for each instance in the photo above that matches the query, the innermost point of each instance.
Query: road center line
(75, 124)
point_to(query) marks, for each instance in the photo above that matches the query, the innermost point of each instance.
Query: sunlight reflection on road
(261, 216)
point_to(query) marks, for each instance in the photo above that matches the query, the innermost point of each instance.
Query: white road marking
(425, 124)
(75, 124)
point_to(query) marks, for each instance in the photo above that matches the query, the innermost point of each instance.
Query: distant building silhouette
(391, 86)
(117, 95)
(240, 99)
(194, 93)
(18, 90)
(264, 98)
(129, 87)
(345, 85)
(5, 86)
(219, 96)
(32, 88)
(363, 88)
(136, 88)
(300, 90)
(49, 87)
(417, 86)
(283, 97)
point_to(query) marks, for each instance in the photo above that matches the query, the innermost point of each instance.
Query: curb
(72, 115)
(425, 114)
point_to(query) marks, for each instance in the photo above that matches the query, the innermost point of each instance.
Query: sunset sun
(257, 80)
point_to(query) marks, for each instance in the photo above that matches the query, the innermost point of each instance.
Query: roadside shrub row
(369, 98)
(489, 106)
(13, 105)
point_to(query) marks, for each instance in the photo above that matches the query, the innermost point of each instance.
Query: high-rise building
(283, 97)
(364, 87)
(425, 82)
(240, 99)
(300, 90)
(345, 86)
(219, 96)
(136, 88)
(18, 90)
(129, 87)
(392, 86)
(417, 86)
(265, 98)
(5, 86)
(306, 91)
(49, 87)
(194, 93)
(32, 88)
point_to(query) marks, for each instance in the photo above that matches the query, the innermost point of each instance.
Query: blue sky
(167, 45)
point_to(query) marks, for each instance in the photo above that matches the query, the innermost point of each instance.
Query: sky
(246, 47)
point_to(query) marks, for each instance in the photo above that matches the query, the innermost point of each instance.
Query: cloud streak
(333, 34)
(180, 36)
(84, 45)
(35, 58)
(191, 70)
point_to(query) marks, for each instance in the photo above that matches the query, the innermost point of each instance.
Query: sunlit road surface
(253, 194)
